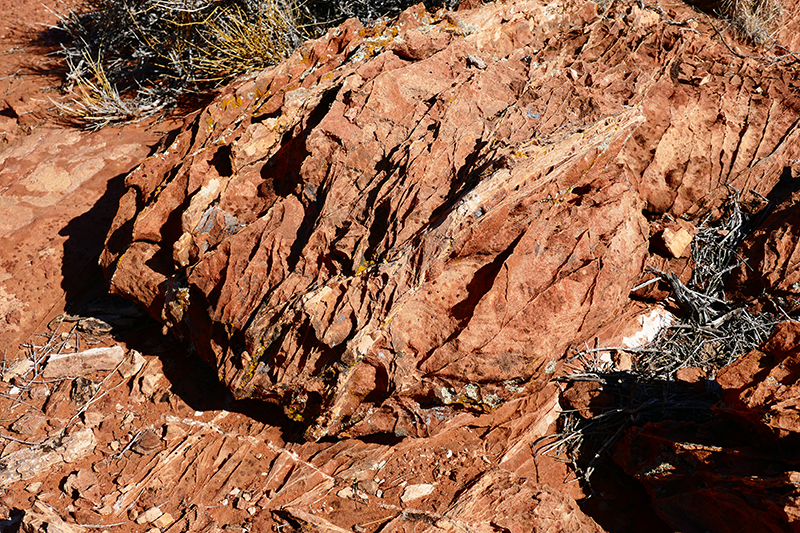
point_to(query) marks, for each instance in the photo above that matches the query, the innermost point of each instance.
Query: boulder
(414, 214)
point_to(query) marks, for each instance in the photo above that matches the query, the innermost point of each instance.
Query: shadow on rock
(82, 277)
(96, 313)
(712, 454)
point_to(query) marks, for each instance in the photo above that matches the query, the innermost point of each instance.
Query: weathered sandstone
(429, 214)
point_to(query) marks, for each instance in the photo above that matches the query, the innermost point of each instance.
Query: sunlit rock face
(403, 222)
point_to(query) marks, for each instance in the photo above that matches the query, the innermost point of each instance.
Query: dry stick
(95, 396)
(37, 356)
(17, 401)
(128, 446)
(19, 440)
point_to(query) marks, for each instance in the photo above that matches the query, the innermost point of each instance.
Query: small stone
(346, 493)
(151, 515)
(83, 484)
(623, 361)
(690, 375)
(18, 369)
(34, 487)
(147, 442)
(252, 510)
(93, 418)
(173, 432)
(94, 326)
(83, 363)
(132, 364)
(29, 424)
(106, 510)
(413, 492)
(163, 521)
(149, 385)
(677, 242)
(114, 445)
(369, 486)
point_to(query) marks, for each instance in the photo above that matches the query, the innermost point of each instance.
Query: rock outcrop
(400, 232)
(402, 221)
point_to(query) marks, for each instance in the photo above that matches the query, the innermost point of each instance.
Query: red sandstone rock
(772, 252)
(396, 216)
(400, 233)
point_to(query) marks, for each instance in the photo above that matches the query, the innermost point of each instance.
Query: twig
(19, 440)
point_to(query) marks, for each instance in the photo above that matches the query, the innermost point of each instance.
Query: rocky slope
(397, 237)
(405, 221)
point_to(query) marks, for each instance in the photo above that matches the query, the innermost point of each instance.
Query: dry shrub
(710, 333)
(131, 58)
(755, 20)
(128, 59)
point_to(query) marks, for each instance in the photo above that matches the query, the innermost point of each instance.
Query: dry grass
(236, 42)
(756, 21)
(99, 102)
(129, 59)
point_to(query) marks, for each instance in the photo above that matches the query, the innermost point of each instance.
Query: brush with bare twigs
(710, 334)
(130, 59)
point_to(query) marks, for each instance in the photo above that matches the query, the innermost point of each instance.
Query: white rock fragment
(30, 462)
(652, 324)
(412, 492)
(149, 516)
(132, 365)
(82, 363)
(18, 369)
(163, 521)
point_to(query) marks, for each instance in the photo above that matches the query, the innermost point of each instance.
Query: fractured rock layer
(427, 215)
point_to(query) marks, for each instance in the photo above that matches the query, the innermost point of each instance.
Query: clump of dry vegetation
(129, 59)
(710, 333)
(756, 21)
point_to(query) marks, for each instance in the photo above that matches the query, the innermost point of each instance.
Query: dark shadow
(82, 277)
(663, 453)
(786, 186)
(86, 293)
(197, 385)
(13, 522)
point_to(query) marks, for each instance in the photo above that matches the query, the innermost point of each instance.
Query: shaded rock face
(772, 251)
(407, 220)
(742, 466)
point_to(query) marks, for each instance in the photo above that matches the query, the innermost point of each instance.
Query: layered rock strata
(405, 221)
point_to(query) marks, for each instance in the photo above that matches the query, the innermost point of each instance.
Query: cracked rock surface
(384, 249)
(404, 221)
